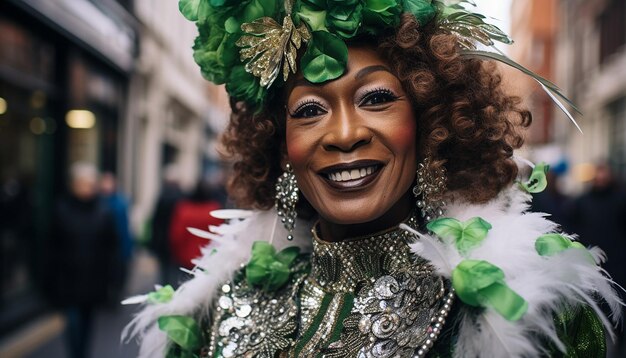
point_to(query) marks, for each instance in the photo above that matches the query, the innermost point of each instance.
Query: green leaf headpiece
(248, 44)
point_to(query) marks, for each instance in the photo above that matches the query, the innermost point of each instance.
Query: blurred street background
(103, 112)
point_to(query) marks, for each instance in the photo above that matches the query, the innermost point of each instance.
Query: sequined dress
(364, 297)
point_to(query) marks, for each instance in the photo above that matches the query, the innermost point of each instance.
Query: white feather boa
(547, 284)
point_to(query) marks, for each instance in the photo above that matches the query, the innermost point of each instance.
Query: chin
(352, 214)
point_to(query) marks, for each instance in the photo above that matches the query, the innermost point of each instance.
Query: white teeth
(353, 174)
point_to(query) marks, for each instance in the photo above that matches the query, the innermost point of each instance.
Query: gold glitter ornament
(268, 45)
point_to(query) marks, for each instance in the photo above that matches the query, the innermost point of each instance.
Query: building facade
(534, 24)
(580, 46)
(591, 57)
(111, 82)
(64, 73)
(175, 115)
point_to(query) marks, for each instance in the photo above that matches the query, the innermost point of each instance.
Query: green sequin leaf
(182, 330)
(325, 59)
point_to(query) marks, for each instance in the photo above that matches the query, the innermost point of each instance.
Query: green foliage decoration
(328, 25)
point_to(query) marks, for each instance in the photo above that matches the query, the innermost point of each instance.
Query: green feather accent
(550, 88)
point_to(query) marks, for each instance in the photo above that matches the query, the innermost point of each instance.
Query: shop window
(28, 128)
(612, 23)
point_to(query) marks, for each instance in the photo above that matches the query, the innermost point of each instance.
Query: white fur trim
(233, 244)
(547, 284)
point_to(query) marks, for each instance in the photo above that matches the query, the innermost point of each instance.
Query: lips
(353, 175)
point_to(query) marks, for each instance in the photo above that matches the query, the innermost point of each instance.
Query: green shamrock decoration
(162, 295)
(269, 269)
(379, 14)
(552, 244)
(479, 283)
(336, 22)
(182, 330)
(325, 57)
(537, 181)
(466, 235)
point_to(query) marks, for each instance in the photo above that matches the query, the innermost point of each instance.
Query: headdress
(251, 45)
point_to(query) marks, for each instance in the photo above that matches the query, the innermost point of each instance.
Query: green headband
(247, 44)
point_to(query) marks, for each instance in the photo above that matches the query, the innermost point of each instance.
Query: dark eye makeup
(307, 109)
(377, 97)
(312, 108)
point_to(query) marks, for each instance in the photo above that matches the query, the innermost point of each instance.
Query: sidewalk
(44, 338)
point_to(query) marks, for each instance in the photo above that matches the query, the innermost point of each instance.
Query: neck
(333, 232)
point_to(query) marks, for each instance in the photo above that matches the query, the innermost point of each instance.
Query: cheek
(406, 137)
(403, 137)
(298, 146)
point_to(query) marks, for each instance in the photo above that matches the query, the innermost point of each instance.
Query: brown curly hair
(466, 123)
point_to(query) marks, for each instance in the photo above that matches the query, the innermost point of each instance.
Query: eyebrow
(369, 69)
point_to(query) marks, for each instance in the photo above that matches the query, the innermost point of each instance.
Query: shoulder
(229, 248)
(543, 283)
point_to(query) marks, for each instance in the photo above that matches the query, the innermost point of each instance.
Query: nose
(346, 131)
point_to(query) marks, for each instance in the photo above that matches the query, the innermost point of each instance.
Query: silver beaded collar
(340, 266)
(400, 303)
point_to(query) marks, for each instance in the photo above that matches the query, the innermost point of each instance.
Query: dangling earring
(286, 199)
(429, 188)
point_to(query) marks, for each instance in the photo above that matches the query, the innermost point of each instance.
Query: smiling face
(352, 143)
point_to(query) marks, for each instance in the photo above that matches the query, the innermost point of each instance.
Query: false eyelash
(378, 90)
(304, 104)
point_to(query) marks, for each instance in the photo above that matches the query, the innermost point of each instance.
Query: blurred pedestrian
(171, 193)
(83, 253)
(193, 212)
(119, 205)
(599, 217)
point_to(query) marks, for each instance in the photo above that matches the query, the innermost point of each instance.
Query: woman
(387, 151)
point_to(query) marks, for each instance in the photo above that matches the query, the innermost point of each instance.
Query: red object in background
(184, 245)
